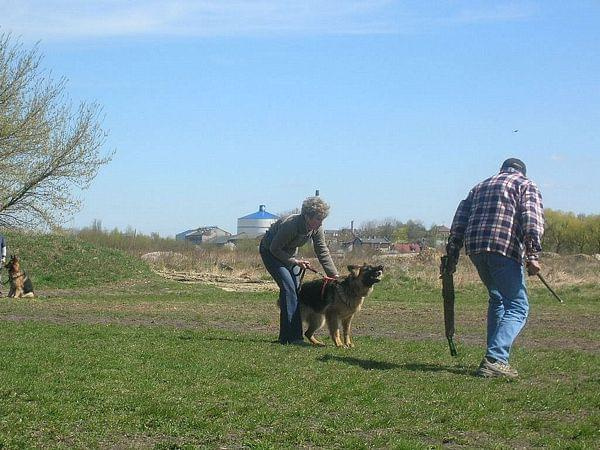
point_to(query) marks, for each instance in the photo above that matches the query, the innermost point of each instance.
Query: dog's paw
(317, 343)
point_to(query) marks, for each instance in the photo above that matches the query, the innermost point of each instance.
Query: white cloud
(68, 19)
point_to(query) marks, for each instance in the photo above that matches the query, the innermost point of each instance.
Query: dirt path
(229, 283)
(395, 320)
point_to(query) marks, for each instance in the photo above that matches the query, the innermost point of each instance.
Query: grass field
(149, 363)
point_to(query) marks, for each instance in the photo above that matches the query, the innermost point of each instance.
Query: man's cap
(515, 164)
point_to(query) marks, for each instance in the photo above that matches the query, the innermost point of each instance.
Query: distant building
(256, 224)
(337, 240)
(332, 238)
(202, 235)
(374, 243)
(331, 234)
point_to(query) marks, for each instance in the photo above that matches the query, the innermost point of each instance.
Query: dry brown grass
(247, 266)
(557, 270)
(215, 262)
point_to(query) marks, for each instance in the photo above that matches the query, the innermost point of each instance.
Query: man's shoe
(489, 369)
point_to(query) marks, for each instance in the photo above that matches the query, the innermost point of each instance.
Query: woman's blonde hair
(315, 207)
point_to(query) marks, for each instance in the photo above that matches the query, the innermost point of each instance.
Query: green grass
(165, 365)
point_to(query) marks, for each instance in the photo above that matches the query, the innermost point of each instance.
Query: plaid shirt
(503, 214)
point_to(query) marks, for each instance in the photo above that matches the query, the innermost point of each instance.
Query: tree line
(398, 231)
(567, 232)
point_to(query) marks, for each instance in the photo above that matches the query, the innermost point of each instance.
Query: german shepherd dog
(20, 283)
(336, 302)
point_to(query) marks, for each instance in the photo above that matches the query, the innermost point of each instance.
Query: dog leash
(326, 279)
(321, 274)
(301, 275)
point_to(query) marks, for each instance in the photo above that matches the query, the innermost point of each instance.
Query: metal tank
(256, 224)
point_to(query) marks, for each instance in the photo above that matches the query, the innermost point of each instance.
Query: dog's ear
(354, 270)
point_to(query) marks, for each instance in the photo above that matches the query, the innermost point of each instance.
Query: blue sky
(389, 108)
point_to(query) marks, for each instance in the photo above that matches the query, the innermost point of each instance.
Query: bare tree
(47, 148)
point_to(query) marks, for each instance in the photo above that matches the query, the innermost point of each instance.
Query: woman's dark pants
(290, 322)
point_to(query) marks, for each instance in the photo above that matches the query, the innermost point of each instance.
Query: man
(501, 223)
(2, 259)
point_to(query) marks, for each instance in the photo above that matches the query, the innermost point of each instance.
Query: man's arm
(461, 219)
(532, 221)
(457, 231)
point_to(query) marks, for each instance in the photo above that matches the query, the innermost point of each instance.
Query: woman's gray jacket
(288, 233)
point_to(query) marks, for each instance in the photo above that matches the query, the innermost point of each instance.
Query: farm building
(335, 239)
(256, 224)
(202, 235)
(332, 238)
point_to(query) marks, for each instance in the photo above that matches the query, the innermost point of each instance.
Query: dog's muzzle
(376, 275)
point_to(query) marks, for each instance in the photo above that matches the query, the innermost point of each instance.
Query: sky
(391, 109)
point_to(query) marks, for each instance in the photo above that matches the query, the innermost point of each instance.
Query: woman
(278, 249)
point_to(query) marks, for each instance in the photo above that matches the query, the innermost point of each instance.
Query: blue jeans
(290, 322)
(508, 306)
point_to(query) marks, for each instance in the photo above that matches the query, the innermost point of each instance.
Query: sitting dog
(20, 283)
(336, 302)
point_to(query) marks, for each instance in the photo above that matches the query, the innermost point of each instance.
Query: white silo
(256, 224)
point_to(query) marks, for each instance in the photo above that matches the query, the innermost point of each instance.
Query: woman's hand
(303, 263)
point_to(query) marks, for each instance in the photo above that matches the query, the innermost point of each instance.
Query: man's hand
(533, 267)
(453, 251)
